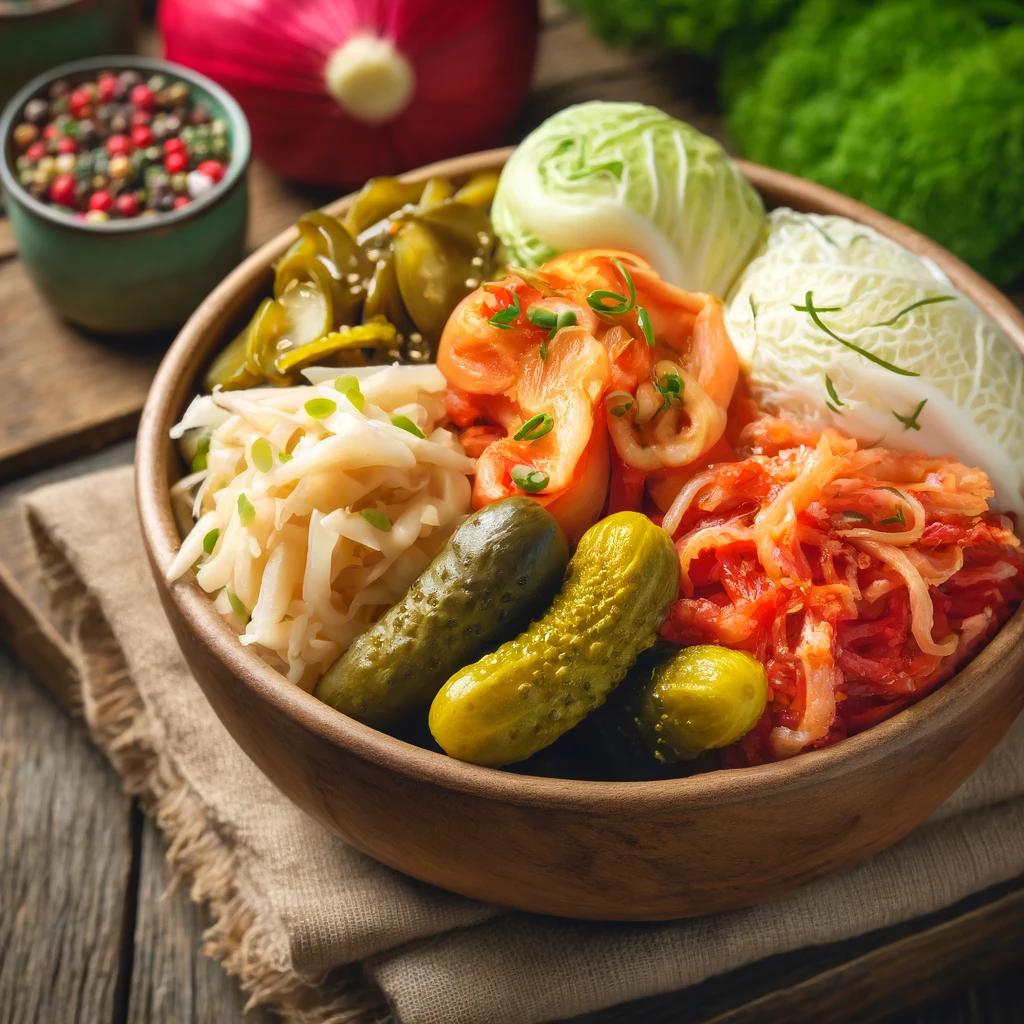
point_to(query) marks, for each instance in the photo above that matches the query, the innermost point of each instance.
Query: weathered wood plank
(65, 864)
(171, 979)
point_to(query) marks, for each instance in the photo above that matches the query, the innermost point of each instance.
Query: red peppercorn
(212, 169)
(51, 131)
(174, 146)
(62, 190)
(101, 199)
(142, 137)
(119, 145)
(36, 151)
(105, 87)
(176, 162)
(81, 97)
(127, 205)
(141, 117)
(67, 146)
(143, 97)
(180, 201)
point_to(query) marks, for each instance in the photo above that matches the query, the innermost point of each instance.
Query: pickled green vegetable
(700, 698)
(521, 698)
(500, 567)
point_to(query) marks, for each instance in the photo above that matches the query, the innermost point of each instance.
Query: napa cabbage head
(628, 176)
(841, 327)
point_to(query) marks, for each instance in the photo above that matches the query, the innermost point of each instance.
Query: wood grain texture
(65, 864)
(171, 978)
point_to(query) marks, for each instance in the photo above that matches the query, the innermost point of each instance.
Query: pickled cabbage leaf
(885, 350)
(628, 176)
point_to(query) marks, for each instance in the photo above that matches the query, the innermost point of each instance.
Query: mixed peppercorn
(119, 146)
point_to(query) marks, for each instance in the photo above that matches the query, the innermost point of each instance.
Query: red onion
(337, 91)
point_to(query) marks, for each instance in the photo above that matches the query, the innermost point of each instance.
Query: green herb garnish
(348, 385)
(246, 510)
(621, 410)
(644, 320)
(670, 387)
(376, 519)
(620, 303)
(535, 428)
(541, 317)
(897, 520)
(813, 312)
(262, 455)
(285, 457)
(237, 607)
(910, 422)
(893, 490)
(404, 423)
(199, 459)
(320, 408)
(210, 541)
(504, 318)
(528, 479)
(831, 389)
(914, 305)
(753, 310)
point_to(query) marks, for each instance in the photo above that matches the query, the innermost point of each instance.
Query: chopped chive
(199, 459)
(914, 305)
(320, 408)
(824, 234)
(852, 513)
(813, 312)
(376, 519)
(535, 428)
(210, 541)
(504, 318)
(893, 490)
(834, 408)
(566, 318)
(528, 479)
(237, 607)
(246, 510)
(543, 350)
(753, 309)
(621, 410)
(670, 387)
(897, 520)
(541, 317)
(346, 383)
(262, 455)
(285, 457)
(644, 319)
(620, 303)
(404, 423)
(831, 389)
(910, 422)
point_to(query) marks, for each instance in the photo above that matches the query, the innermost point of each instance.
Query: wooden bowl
(602, 850)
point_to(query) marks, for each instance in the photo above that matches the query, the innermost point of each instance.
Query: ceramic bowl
(35, 36)
(131, 276)
(603, 850)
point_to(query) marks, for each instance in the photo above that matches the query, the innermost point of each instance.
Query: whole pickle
(697, 699)
(498, 569)
(522, 697)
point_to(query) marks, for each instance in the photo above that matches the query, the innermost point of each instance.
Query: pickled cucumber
(699, 698)
(500, 568)
(522, 697)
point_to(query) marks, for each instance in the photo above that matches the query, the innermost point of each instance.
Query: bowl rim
(241, 145)
(920, 723)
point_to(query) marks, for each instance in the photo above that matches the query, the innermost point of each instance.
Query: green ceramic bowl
(35, 36)
(131, 276)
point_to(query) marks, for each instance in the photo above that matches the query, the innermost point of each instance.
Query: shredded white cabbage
(295, 565)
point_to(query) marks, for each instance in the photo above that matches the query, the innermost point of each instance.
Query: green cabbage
(909, 361)
(628, 176)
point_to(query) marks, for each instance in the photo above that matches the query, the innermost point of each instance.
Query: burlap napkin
(295, 911)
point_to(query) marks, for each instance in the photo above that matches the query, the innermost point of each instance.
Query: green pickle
(698, 699)
(499, 567)
(522, 697)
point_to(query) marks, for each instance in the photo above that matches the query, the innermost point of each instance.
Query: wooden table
(86, 934)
